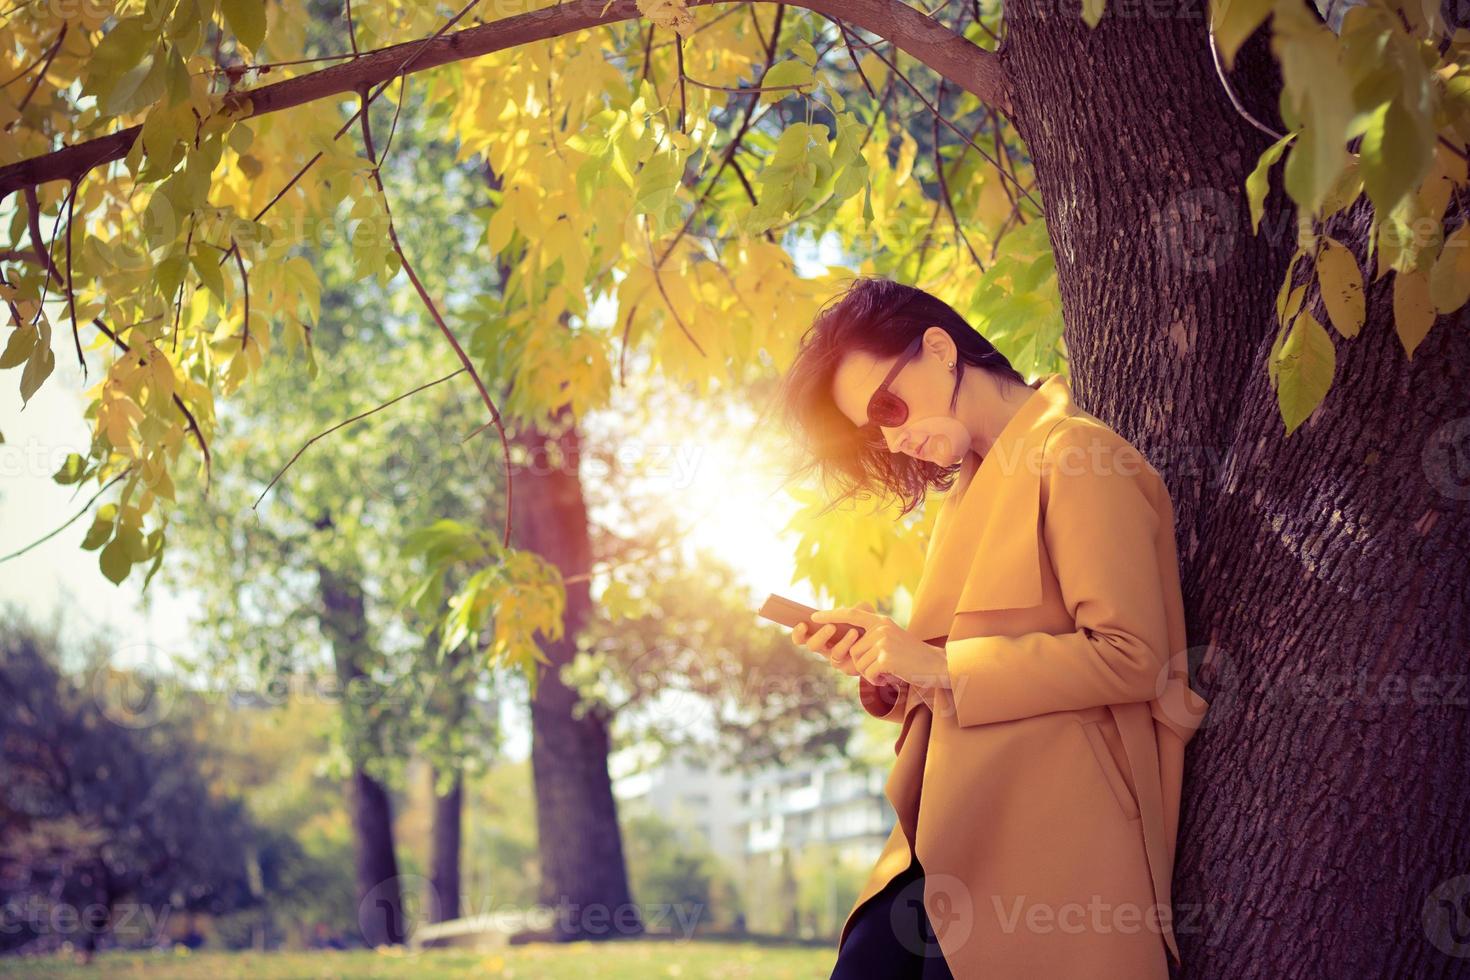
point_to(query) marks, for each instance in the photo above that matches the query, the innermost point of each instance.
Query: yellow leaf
(1449, 280)
(1413, 313)
(1341, 283)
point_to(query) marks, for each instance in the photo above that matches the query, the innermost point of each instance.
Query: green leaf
(137, 546)
(1341, 283)
(115, 561)
(1234, 22)
(1314, 166)
(176, 77)
(99, 534)
(1316, 99)
(1304, 370)
(209, 272)
(72, 470)
(37, 370)
(786, 73)
(119, 52)
(1396, 154)
(247, 20)
(1259, 182)
(20, 345)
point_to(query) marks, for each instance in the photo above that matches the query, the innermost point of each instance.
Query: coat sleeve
(1100, 530)
(883, 701)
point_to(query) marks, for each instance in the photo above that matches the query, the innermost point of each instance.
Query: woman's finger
(841, 653)
(820, 639)
(844, 645)
(863, 644)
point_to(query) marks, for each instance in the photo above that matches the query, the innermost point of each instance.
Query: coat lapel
(985, 551)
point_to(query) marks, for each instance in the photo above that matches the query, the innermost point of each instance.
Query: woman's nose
(893, 438)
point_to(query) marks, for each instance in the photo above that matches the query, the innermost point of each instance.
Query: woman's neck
(986, 406)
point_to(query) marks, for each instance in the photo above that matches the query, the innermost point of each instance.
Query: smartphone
(789, 612)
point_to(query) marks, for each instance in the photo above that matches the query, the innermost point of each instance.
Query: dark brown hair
(880, 317)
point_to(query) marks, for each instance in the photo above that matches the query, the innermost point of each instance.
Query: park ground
(622, 960)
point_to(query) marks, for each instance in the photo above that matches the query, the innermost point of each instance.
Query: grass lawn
(631, 959)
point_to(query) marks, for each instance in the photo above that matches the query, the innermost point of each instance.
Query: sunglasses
(884, 407)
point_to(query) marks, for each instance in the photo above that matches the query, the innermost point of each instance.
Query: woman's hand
(887, 650)
(837, 653)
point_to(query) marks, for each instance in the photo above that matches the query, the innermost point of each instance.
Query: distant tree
(672, 872)
(107, 825)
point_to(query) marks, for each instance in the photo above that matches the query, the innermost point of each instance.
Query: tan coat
(1041, 790)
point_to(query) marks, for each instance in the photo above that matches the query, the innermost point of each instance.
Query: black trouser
(891, 936)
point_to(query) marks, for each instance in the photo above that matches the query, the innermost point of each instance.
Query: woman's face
(930, 432)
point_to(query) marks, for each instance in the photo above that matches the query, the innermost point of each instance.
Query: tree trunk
(379, 893)
(1323, 825)
(444, 859)
(583, 875)
(380, 898)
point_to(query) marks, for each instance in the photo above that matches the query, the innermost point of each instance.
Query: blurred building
(835, 803)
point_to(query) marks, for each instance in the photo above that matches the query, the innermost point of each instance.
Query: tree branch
(189, 419)
(360, 415)
(972, 68)
(464, 359)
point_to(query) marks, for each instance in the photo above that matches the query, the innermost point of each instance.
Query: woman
(1040, 684)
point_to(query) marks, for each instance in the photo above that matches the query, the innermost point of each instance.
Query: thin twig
(659, 281)
(1230, 91)
(352, 31)
(71, 520)
(893, 67)
(27, 69)
(730, 150)
(36, 82)
(464, 359)
(623, 350)
(190, 421)
(683, 91)
(71, 292)
(245, 285)
(944, 192)
(361, 415)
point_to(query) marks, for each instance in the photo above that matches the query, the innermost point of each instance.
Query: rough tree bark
(583, 875)
(1320, 818)
(379, 895)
